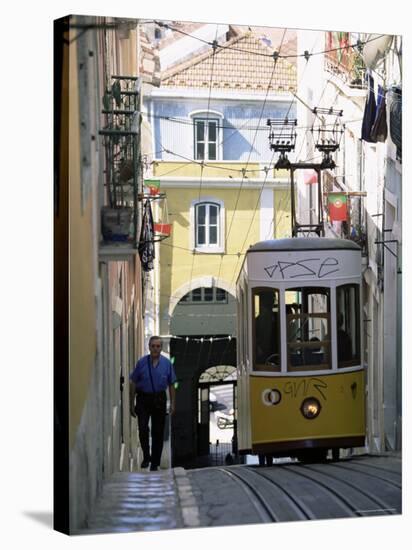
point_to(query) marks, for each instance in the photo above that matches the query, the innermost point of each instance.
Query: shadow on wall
(235, 145)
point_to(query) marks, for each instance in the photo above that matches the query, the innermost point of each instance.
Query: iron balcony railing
(121, 139)
(343, 60)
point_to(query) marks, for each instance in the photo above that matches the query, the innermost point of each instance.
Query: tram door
(203, 431)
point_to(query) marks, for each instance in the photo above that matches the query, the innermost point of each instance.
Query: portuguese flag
(338, 207)
(153, 185)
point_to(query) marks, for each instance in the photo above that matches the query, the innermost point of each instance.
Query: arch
(205, 113)
(207, 281)
(219, 373)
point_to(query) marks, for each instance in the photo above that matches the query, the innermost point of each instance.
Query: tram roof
(304, 243)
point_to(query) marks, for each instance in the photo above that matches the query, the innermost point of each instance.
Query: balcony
(121, 136)
(345, 63)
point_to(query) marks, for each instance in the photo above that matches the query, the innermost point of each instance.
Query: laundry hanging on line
(379, 131)
(370, 111)
(374, 124)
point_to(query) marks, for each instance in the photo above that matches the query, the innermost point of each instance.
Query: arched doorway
(202, 337)
(217, 406)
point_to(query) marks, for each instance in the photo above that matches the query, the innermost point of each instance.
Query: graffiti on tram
(295, 389)
(314, 267)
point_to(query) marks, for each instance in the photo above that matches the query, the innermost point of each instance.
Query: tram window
(308, 328)
(266, 329)
(347, 325)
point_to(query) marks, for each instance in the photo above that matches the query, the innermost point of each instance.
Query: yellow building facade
(98, 292)
(212, 161)
(245, 221)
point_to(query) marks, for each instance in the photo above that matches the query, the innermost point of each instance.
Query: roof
(303, 243)
(236, 65)
(187, 27)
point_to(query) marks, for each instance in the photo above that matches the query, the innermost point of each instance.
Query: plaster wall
(239, 138)
(178, 263)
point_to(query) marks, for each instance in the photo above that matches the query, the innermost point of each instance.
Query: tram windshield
(347, 323)
(308, 328)
(266, 329)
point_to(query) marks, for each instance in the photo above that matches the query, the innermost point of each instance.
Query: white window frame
(207, 248)
(214, 301)
(207, 116)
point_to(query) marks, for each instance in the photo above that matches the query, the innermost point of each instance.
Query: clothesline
(374, 124)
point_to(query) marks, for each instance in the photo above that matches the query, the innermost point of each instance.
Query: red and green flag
(153, 186)
(338, 207)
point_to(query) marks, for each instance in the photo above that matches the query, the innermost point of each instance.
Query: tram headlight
(310, 408)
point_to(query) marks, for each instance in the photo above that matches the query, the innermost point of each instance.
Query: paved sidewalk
(144, 501)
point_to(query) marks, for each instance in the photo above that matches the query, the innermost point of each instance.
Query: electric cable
(305, 54)
(206, 153)
(261, 191)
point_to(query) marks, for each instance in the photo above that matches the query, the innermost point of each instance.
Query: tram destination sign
(304, 265)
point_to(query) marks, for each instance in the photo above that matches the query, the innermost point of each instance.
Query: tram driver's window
(266, 329)
(347, 325)
(308, 328)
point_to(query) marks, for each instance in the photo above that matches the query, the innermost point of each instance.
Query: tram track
(375, 467)
(362, 500)
(333, 503)
(262, 508)
(362, 469)
(279, 504)
(328, 490)
(326, 494)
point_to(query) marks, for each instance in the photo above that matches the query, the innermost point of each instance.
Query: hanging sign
(153, 186)
(338, 207)
(163, 228)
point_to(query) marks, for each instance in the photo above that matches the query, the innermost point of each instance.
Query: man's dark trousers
(151, 406)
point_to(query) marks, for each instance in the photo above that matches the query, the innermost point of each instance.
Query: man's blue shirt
(163, 375)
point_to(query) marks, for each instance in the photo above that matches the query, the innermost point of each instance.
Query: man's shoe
(153, 468)
(144, 464)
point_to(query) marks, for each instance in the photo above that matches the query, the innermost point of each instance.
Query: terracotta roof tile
(237, 68)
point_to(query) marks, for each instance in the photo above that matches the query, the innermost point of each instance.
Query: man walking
(152, 375)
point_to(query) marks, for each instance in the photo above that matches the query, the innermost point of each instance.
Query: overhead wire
(262, 127)
(243, 172)
(248, 160)
(190, 161)
(318, 102)
(261, 54)
(262, 187)
(205, 153)
(241, 253)
(280, 218)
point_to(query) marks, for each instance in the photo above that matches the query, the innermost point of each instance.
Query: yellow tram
(301, 379)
